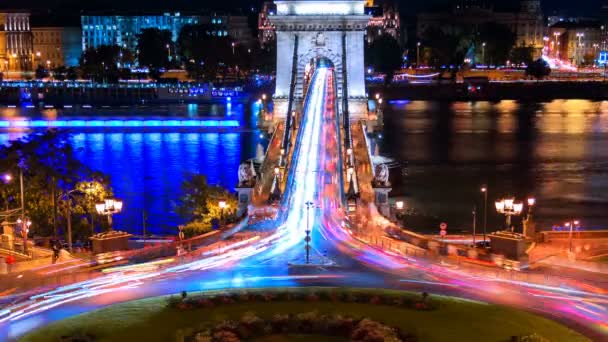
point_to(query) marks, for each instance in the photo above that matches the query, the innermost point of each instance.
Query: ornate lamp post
(109, 207)
(484, 190)
(223, 205)
(307, 239)
(509, 208)
(25, 229)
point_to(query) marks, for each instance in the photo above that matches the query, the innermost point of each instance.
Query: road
(342, 258)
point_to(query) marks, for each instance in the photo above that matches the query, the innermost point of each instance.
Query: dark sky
(575, 7)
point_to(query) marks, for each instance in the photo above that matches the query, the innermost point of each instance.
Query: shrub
(173, 301)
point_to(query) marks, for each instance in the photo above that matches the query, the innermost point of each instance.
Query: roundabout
(305, 314)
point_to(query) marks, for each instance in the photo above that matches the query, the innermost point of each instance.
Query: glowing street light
(399, 205)
(223, 205)
(484, 190)
(109, 207)
(509, 207)
(571, 225)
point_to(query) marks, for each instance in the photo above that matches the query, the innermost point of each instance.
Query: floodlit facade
(15, 41)
(527, 24)
(57, 46)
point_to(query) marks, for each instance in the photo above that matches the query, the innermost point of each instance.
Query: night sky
(579, 7)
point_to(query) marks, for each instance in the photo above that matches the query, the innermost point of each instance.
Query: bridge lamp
(509, 207)
(399, 205)
(108, 208)
(264, 97)
(377, 96)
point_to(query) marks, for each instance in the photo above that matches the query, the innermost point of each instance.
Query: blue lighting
(117, 123)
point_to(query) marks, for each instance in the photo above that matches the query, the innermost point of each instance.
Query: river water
(556, 152)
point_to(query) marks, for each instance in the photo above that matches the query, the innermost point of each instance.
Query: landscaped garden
(305, 314)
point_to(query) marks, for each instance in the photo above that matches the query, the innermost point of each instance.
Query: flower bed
(311, 323)
(422, 303)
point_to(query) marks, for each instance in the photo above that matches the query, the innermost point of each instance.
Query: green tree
(50, 169)
(522, 55)
(499, 40)
(104, 63)
(153, 46)
(199, 204)
(443, 49)
(60, 73)
(41, 72)
(203, 53)
(538, 69)
(385, 55)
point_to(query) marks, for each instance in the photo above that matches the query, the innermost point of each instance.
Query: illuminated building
(122, 30)
(57, 46)
(383, 19)
(266, 29)
(526, 23)
(15, 41)
(578, 42)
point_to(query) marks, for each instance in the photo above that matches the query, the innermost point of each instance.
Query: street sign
(443, 226)
(443, 233)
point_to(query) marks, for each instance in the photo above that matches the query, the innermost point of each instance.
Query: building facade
(577, 42)
(57, 46)
(527, 23)
(122, 30)
(384, 19)
(15, 42)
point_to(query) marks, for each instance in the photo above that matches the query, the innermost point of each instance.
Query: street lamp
(418, 55)
(579, 36)
(309, 205)
(223, 205)
(509, 208)
(233, 47)
(483, 53)
(25, 229)
(8, 177)
(484, 190)
(109, 207)
(571, 225)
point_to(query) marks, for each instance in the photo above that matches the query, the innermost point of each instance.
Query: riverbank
(494, 91)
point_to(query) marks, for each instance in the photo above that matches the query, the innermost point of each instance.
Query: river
(555, 151)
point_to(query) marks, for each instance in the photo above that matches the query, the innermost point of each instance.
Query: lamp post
(109, 207)
(483, 53)
(223, 205)
(418, 55)
(484, 190)
(571, 225)
(509, 208)
(233, 45)
(579, 36)
(556, 35)
(474, 224)
(309, 205)
(25, 229)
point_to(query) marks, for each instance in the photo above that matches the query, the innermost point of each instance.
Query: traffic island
(416, 316)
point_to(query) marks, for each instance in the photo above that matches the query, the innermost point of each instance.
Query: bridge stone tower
(308, 29)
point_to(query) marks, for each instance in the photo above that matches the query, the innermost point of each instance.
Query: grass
(456, 320)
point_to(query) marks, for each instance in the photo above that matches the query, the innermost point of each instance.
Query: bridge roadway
(262, 260)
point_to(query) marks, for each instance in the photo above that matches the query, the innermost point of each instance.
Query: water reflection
(556, 151)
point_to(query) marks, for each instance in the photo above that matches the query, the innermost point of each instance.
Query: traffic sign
(443, 233)
(443, 226)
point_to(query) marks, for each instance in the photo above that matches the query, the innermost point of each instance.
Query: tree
(60, 73)
(41, 72)
(538, 69)
(499, 40)
(445, 49)
(153, 46)
(203, 52)
(50, 169)
(104, 63)
(199, 204)
(72, 74)
(522, 55)
(385, 55)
